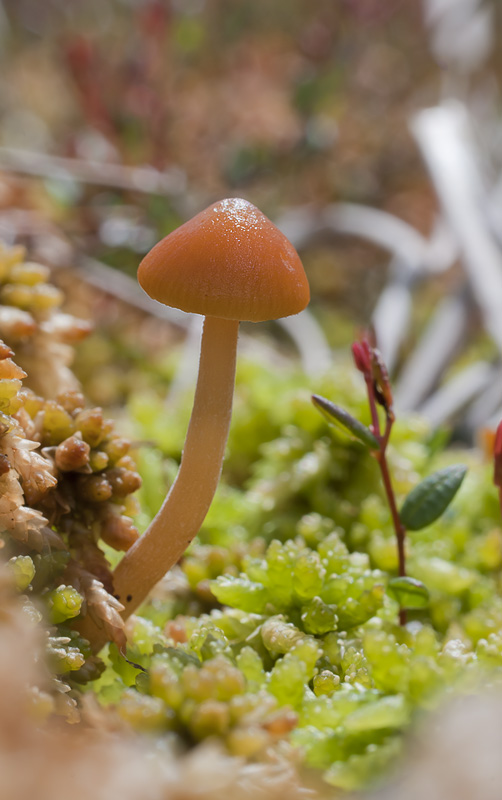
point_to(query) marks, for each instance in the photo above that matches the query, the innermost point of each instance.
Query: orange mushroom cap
(229, 261)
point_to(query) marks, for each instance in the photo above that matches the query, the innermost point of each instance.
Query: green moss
(285, 627)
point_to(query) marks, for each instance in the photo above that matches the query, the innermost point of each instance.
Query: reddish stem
(375, 422)
(398, 525)
(381, 457)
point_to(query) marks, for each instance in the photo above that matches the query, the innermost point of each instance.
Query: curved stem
(190, 496)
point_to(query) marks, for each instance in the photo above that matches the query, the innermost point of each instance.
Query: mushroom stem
(187, 503)
(190, 496)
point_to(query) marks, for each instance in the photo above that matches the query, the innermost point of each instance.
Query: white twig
(485, 411)
(438, 345)
(138, 179)
(442, 134)
(310, 341)
(455, 395)
(186, 373)
(391, 320)
(125, 288)
(302, 225)
(382, 229)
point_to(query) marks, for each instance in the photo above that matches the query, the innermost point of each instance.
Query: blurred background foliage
(120, 120)
(287, 103)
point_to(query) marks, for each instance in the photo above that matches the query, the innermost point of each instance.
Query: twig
(382, 229)
(455, 395)
(391, 318)
(443, 136)
(310, 341)
(126, 289)
(485, 411)
(148, 180)
(439, 344)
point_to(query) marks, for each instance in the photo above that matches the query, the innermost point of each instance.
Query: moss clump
(66, 476)
(286, 591)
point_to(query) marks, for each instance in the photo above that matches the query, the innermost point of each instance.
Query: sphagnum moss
(296, 567)
(301, 644)
(66, 478)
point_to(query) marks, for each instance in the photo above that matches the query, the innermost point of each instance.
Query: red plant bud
(497, 457)
(79, 53)
(361, 352)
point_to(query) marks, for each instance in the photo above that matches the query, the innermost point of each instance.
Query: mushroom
(229, 263)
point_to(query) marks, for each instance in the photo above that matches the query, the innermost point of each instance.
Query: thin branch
(444, 137)
(111, 280)
(148, 180)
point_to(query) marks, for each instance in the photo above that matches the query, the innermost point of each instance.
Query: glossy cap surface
(229, 261)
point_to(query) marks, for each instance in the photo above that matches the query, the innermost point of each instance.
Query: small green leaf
(409, 592)
(427, 501)
(334, 414)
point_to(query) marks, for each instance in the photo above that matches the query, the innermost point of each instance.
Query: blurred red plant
(117, 97)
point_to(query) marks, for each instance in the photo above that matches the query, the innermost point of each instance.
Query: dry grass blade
(444, 138)
(439, 344)
(138, 179)
(457, 393)
(310, 341)
(124, 288)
